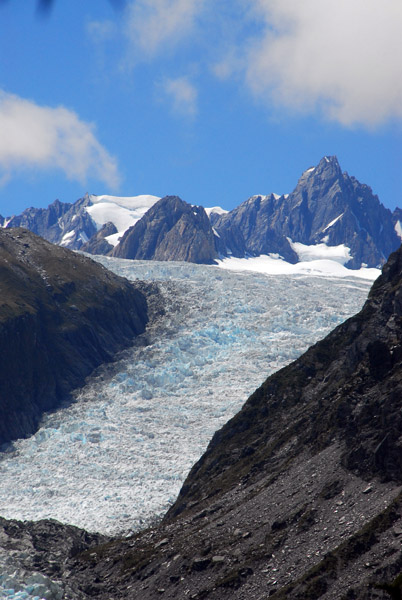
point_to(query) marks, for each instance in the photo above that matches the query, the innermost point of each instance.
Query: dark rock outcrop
(170, 230)
(253, 228)
(38, 553)
(61, 315)
(98, 244)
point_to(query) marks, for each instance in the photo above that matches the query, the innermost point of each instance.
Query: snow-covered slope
(123, 212)
(116, 458)
(317, 260)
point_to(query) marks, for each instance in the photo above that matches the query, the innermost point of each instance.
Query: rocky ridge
(61, 223)
(327, 206)
(61, 315)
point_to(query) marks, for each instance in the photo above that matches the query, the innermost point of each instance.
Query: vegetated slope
(297, 496)
(61, 315)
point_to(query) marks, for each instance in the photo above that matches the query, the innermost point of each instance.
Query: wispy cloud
(342, 57)
(154, 26)
(42, 137)
(183, 95)
(102, 31)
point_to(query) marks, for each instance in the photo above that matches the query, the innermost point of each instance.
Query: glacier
(115, 459)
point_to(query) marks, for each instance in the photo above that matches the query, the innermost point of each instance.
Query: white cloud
(338, 57)
(155, 25)
(183, 95)
(343, 57)
(42, 137)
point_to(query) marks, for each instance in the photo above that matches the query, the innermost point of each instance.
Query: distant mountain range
(328, 208)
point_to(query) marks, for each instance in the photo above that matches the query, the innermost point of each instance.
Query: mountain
(298, 496)
(61, 223)
(73, 225)
(61, 315)
(327, 207)
(170, 230)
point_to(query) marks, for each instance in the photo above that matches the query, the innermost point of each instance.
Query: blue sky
(211, 101)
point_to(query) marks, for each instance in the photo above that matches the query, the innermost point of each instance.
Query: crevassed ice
(115, 459)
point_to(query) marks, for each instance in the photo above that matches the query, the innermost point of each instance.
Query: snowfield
(115, 459)
(124, 212)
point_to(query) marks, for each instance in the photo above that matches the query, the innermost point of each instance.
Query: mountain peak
(171, 230)
(329, 163)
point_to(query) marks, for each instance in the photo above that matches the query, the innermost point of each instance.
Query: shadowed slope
(61, 315)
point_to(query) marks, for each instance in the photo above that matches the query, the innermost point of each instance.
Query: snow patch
(83, 237)
(339, 254)
(398, 229)
(67, 237)
(333, 222)
(217, 210)
(275, 265)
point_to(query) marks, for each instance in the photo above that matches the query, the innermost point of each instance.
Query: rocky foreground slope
(298, 496)
(61, 315)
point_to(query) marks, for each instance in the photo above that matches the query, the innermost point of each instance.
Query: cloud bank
(41, 137)
(342, 57)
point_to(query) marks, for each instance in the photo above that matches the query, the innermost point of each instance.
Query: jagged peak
(329, 163)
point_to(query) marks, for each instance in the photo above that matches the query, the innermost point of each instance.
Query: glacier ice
(116, 458)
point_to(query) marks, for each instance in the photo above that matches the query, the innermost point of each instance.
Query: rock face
(170, 230)
(98, 244)
(327, 206)
(38, 554)
(61, 315)
(61, 223)
(298, 496)
(254, 228)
